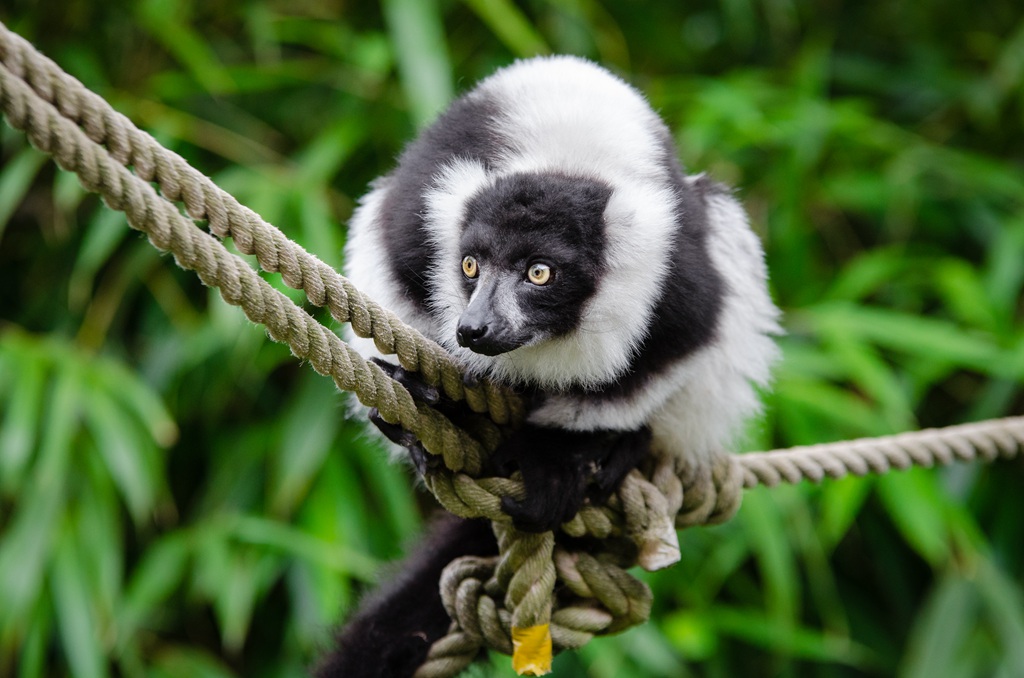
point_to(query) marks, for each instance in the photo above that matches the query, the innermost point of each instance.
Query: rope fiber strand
(490, 600)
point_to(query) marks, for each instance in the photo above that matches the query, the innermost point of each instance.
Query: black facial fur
(548, 218)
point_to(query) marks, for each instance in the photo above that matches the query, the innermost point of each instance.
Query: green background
(180, 497)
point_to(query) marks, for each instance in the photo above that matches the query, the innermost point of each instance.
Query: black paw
(555, 486)
(421, 459)
(542, 512)
(626, 451)
(558, 467)
(421, 391)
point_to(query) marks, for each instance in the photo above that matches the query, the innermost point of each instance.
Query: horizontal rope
(984, 440)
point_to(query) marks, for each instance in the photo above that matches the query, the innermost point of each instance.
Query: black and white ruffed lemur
(543, 231)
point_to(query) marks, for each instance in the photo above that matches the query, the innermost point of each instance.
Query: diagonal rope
(488, 599)
(239, 284)
(204, 200)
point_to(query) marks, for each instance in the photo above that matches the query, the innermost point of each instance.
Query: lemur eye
(469, 267)
(539, 274)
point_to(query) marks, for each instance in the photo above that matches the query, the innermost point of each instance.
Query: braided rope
(984, 440)
(485, 597)
(180, 182)
(239, 284)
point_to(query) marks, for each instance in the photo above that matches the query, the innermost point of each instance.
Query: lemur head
(532, 252)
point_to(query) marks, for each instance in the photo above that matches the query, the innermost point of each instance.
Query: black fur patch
(545, 218)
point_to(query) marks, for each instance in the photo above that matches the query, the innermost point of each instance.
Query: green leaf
(786, 639)
(831, 412)
(873, 376)
(1004, 276)
(510, 26)
(917, 508)
(869, 271)
(76, 619)
(28, 540)
(32, 657)
(939, 635)
(97, 526)
(1003, 602)
(841, 502)
(136, 397)
(15, 180)
(963, 291)
(295, 543)
(166, 24)
(26, 374)
(187, 662)
(128, 456)
(693, 634)
(309, 427)
(105, 231)
(152, 582)
(418, 38)
(914, 335)
(388, 482)
(766, 530)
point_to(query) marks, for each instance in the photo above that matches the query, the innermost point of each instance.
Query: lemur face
(532, 252)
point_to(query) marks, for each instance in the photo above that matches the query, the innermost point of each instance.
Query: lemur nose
(469, 335)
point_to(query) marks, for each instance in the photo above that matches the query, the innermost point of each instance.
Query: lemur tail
(390, 634)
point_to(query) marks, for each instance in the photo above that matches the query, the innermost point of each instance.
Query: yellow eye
(469, 267)
(539, 274)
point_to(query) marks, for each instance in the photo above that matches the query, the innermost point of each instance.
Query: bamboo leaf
(295, 543)
(510, 26)
(938, 638)
(309, 428)
(765, 529)
(127, 454)
(913, 502)
(28, 540)
(752, 626)
(915, 335)
(188, 662)
(152, 582)
(26, 377)
(418, 39)
(76, 618)
(15, 179)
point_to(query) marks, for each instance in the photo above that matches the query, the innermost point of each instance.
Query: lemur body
(543, 231)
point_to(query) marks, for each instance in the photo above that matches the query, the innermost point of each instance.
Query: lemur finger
(423, 461)
(421, 391)
(393, 432)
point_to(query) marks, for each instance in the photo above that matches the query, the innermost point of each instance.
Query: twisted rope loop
(488, 599)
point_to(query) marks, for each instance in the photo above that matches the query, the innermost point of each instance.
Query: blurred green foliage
(179, 497)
